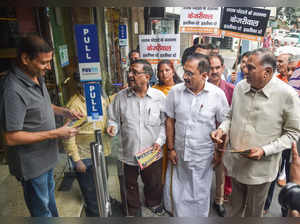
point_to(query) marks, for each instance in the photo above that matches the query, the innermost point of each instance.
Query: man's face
(291, 68)
(192, 77)
(244, 65)
(199, 50)
(134, 56)
(39, 65)
(282, 62)
(137, 79)
(256, 72)
(216, 70)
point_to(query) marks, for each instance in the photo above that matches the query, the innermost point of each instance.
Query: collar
(206, 88)
(131, 92)
(25, 78)
(266, 91)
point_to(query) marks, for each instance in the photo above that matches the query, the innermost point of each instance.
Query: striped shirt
(294, 80)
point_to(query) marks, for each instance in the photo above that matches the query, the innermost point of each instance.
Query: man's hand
(80, 167)
(111, 131)
(72, 114)
(66, 131)
(217, 136)
(294, 213)
(295, 165)
(173, 157)
(156, 147)
(233, 76)
(255, 153)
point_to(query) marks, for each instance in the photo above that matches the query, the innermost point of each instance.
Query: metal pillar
(100, 176)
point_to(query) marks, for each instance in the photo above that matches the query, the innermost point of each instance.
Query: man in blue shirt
(234, 78)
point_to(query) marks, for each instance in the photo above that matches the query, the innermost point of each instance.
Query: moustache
(214, 74)
(187, 81)
(131, 79)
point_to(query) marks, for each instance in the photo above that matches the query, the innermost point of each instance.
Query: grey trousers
(248, 200)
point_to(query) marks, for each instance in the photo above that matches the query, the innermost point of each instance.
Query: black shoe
(220, 209)
(157, 210)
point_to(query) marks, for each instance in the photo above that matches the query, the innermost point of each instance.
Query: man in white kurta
(192, 109)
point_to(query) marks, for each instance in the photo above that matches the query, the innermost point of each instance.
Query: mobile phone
(78, 123)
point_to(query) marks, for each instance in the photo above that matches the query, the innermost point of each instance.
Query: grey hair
(267, 58)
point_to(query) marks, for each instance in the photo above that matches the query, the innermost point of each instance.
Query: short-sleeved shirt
(27, 107)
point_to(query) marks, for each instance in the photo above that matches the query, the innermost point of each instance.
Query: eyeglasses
(188, 73)
(135, 73)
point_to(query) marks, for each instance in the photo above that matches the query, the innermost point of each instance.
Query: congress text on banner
(160, 46)
(200, 20)
(245, 23)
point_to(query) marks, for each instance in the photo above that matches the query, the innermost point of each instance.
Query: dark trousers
(285, 164)
(151, 177)
(88, 190)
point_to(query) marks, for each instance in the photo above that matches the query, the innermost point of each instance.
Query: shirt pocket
(153, 114)
(205, 115)
(33, 116)
(268, 124)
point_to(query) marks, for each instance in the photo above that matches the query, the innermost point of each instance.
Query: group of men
(261, 123)
(195, 121)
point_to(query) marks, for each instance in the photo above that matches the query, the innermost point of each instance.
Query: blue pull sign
(92, 92)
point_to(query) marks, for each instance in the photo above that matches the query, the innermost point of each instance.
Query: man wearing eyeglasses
(136, 114)
(192, 109)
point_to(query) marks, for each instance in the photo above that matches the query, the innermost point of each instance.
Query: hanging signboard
(92, 94)
(244, 23)
(200, 20)
(88, 52)
(159, 46)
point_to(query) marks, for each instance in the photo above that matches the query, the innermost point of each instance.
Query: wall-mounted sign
(123, 40)
(63, 55)
(88, 52)
(92, 93)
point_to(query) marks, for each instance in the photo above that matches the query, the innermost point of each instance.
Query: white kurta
(196, 117)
